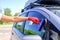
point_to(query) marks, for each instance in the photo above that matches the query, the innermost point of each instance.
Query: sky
(14, 5)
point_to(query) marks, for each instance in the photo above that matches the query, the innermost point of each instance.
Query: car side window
(20, 25)
(32, 29)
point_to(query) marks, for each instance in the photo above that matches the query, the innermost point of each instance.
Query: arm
(13, 18)
(5, 18)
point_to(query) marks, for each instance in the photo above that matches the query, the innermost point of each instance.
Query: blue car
(46, 13)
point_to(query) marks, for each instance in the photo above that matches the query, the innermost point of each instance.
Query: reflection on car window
(32, 29)
(28, 31)
(19, 26)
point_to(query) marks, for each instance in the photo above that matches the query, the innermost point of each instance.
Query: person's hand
(34, 20)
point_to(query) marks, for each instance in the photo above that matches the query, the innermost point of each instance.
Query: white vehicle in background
(46, 12)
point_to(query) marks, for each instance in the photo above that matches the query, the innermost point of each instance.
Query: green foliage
(7, 12)
(5, 23)
(26, 32)
(19, 27)
(1, 23)
(16, 14)
(29, 32)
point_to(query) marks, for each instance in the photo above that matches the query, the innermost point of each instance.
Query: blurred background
(11, 8)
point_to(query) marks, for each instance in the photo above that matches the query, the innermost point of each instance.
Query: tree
(16, 14)
(7, 12)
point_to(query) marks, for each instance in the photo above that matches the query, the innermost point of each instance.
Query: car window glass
(20, 25)
(32, 29)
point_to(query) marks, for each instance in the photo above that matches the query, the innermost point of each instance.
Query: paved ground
(5, 32)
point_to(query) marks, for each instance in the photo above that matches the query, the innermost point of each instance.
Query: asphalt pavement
(5, 32)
